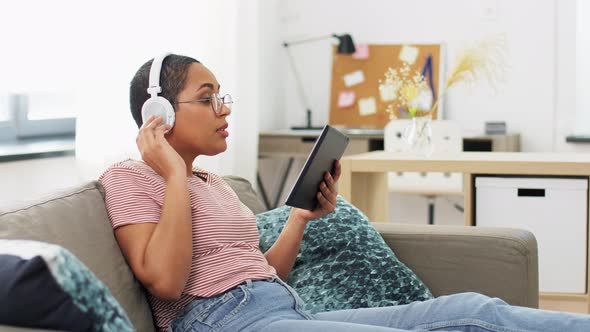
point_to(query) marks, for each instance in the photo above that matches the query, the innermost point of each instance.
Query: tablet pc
(328, 148)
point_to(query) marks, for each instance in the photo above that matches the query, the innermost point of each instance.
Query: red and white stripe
(224, 233)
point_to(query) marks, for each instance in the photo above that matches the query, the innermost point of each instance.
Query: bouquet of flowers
(410, 92)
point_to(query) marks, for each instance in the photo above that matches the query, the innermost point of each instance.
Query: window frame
(19, 126)
(8, 127)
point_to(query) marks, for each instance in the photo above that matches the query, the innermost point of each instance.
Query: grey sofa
(495, 262)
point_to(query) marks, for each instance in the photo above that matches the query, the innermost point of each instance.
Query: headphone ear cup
(158, 106)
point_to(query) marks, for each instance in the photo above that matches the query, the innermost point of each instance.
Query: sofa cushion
(77, 220)
(343, 262)
(41, 284)
(245, 193)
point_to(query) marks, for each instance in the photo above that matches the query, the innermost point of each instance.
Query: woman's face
(198, 130)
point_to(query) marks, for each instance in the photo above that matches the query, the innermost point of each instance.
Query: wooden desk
(288, 142)
(297, 144)
(294, 146)
(364, 184)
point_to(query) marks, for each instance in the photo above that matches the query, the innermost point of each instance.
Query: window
(7, 130)
(4, 108)
(36, 115)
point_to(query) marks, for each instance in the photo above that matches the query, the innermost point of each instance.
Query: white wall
(242, 153)
(527, 97)
(573, 95)
(568, 110)
(583, 66)
(272, 70)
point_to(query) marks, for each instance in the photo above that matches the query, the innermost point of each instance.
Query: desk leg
(366, 191)
(468, 209)
(344, 184)
(262, 191)
(283, 181)
(370, 195)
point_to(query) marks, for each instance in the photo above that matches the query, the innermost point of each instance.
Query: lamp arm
(302, 94)
(345, 46)
(298, 81)
(303, 41)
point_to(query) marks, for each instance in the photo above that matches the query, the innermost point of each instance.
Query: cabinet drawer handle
(308, 139)
(527, 192)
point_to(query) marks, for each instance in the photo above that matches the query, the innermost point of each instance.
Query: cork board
(345, 100)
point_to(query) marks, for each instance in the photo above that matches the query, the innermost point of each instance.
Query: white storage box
(555, 210)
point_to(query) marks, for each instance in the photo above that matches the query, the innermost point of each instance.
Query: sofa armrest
(5, 328)
(497, 262)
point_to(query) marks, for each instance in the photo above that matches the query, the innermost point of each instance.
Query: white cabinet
(555, 210)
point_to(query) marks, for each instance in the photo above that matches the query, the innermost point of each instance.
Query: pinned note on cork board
(356, 100)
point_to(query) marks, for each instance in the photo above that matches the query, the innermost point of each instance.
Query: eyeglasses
(215, 100)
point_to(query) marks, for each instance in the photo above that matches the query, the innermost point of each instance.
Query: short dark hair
(172, 81)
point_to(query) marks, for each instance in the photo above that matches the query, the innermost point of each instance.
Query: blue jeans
(271, 305)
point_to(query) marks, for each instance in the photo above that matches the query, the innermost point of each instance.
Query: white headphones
(157, 105)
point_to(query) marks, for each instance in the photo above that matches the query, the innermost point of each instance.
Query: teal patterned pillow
(48, 287)
(344, 263)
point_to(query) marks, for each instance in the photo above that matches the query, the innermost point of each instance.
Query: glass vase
(418, 136)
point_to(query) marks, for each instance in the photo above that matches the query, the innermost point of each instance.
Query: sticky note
(354, 78)
(387, 92)
(367, 106)
(362, 51)
(346, 99)
(409, 54)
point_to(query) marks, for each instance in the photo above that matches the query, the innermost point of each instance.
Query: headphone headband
(157, 105)
(154, 82)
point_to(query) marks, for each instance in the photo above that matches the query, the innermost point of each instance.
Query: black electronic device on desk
(328, 148)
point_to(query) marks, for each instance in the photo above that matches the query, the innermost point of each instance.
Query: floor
(562, 305)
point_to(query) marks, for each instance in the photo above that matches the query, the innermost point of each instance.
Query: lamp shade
(345, 44)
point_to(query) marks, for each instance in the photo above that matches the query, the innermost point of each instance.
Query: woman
(194, 245)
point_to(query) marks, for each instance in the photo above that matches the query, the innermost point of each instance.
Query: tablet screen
(328, 148)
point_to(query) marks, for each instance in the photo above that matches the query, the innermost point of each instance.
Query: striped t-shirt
(224, 233)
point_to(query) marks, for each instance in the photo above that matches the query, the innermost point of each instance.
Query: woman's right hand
(157, 152)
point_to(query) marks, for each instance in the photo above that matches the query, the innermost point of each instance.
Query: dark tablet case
(328, 148)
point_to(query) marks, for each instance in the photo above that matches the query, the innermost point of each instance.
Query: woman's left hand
(326, 197)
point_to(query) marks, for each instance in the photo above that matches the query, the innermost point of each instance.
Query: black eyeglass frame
(216, 102)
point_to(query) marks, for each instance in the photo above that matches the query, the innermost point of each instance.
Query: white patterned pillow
(344, 263)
